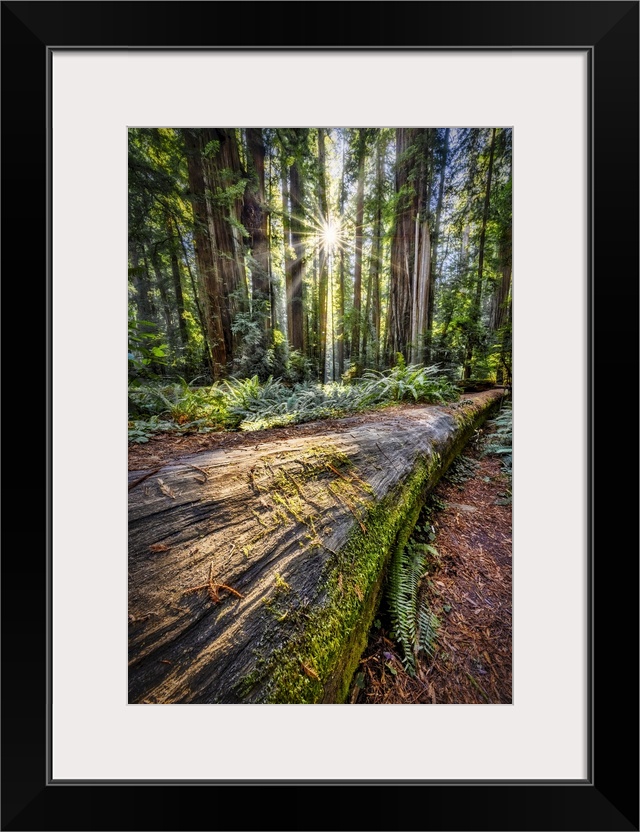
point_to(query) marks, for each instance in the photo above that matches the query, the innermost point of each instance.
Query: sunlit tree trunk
(204, 251)
(286, 233)
(254, 217)
(410, 247)
(297, 242)
(322, 256)
(435, 242)
(357, 269)
(222, 174)
(196, 299)
(177, 285)
(340, 333)
(477, 302)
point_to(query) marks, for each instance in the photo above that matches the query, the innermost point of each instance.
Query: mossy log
(255, 573)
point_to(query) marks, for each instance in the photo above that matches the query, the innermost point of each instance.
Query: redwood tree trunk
(477, 303)
(177, 285)
(357, 270)
(286, 234)
(224, 202)
(254, 216)
(204, 249)
(297, 242)
(409, 248)
(323, 256)
(433, 266)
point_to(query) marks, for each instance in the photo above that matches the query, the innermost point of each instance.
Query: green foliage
(249, 404)
(211, 148)
(415, 627)
(461, 469)
(410, 383)
(500, 441)
(142, 430)
(299, 367)
(145, 347)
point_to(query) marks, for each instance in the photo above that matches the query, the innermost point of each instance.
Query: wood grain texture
(232, 552)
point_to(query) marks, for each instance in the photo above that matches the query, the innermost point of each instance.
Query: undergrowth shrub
(251, 404)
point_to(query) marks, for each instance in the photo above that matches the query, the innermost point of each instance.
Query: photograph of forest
(319, 415)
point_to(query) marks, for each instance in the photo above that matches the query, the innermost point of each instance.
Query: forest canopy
(334, 261)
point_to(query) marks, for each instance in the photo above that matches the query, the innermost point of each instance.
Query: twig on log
(213, 587)
(143, 478)
(349, 506)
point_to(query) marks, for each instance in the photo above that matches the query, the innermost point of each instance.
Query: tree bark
(477, 304)
(340, 333)
(435, 242)
(254, 577)
(196, 299)
(141, 285)
(222, 172)
(410, 247)
(357, 269)
(205, 260)
(254, 217)
(297, 242)
(177, 285)
(164, 296)
(286, 233)
(323, 257)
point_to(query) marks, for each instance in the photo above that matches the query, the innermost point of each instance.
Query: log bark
(255, 573)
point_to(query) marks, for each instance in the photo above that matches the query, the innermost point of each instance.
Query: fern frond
(428, 629)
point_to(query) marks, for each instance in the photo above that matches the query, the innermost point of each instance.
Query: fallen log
(255, 573)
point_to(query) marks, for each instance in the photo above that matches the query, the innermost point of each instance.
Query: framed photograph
(560, 80)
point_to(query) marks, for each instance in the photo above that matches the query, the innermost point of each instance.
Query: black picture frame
(608, 798)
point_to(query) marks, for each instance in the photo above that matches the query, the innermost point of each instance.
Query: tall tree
(371, 325)
(286, 230)
(435, 242)
(410, 247)
(254, 217)
(296, 195)
(177, 282)
(340, 332)
(477, 302)
(205, 251)
(357, 270)
(323, 256)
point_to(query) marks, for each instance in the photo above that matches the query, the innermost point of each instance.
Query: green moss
(334, 633)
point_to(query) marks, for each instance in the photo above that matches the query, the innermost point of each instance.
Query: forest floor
(470, 591)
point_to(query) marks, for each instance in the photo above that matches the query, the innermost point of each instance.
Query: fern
(249, 404)
(428, 623)
(414, 629)
(500, 442)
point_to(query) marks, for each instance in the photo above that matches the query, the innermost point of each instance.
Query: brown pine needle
(344, 500)
(309, 671)
(338, 473)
